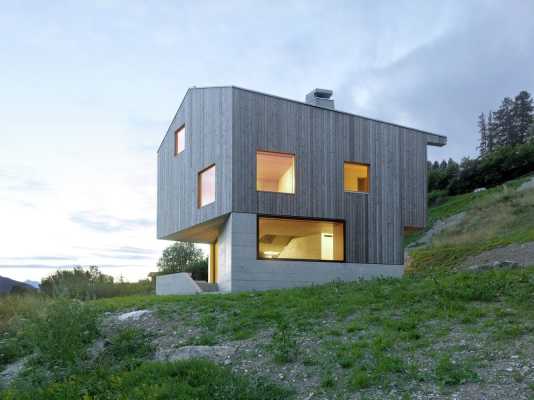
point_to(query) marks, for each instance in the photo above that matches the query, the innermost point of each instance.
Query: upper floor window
(275, 172)
(179, 140)
(356, 177)
(206, 186)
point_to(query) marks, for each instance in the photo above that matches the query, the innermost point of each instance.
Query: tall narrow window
(179, 140)
(356, 177)
(275, 172)
(206, 186)
(300, 239)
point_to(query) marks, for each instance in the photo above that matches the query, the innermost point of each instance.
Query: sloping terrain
(490, 220)
(431, 336)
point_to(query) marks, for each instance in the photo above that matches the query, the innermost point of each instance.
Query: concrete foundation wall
(180, 283)
(248, 273)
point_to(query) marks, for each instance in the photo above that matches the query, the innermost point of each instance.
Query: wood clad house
(289, 193)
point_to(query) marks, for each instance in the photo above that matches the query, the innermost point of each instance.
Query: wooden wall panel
(322, 140)
(207, 114)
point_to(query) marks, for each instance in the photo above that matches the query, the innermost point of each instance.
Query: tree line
(506, 151)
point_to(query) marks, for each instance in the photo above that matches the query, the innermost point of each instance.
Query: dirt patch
(521, 254)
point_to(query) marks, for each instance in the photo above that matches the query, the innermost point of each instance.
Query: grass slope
(493, 218)
(381, 339)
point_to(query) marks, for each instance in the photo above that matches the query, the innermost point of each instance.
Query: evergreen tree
(523, 116)
(483, 131)
(503, 118)
(491, 128)
(443, 165)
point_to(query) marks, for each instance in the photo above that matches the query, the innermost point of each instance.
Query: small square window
(356, 177)
(179, 140)
(275, 172)
(206, 186)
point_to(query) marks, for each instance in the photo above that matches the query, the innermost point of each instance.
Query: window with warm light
(356, 177)
(300, 239)
(179, 140)
(275, 172)
(206, 186)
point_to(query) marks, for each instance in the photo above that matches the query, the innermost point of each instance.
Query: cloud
(107, 223)
(40, 258)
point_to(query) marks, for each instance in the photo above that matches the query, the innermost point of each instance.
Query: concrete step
(207, 287)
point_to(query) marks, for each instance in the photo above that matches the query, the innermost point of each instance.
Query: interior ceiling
(273, 166)
(292, 227)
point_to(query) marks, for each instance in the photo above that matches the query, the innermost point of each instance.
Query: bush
(89, 284)
(179, 257)
(60, 335)
(198, 270)
(496, 168)
(185, 380)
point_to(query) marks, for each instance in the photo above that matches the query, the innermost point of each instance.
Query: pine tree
(483, 130)
(490, 144)
(505, 133)
(523, 116)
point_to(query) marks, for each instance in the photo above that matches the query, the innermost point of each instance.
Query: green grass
(185, 380)
(358, 336)
(494, 218)
(451, 205)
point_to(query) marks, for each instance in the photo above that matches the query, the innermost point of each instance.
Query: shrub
(185, 380)
(61, 335)
(89, 284)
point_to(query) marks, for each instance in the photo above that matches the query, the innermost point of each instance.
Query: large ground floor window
(300, 239)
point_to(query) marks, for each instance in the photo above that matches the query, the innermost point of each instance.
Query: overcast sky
(88, 89)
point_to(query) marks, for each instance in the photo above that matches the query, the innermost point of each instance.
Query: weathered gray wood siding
(322, 140)
(207, 114)
(413, 153)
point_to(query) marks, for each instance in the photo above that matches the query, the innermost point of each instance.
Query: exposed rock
(12, 371)
(214, 353)
(494, 265)
(96, 348)
(439, 226)
(527, 185)
(511, 256)
(133, 315)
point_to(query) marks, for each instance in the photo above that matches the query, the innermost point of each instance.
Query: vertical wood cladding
(207, 115)
(322, 140)
(226, 126)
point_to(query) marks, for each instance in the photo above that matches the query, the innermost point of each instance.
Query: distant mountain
(9, 285)
(33, 284)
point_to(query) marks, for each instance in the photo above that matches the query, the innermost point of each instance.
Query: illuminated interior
(179, 140)
(275, 172)
(300, 239)
(356, 177)
(206, 186)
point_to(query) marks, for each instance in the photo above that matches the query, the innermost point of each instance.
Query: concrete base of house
(180, 283)
(240, 270)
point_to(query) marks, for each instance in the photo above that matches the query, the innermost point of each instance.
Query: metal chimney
(321, 98)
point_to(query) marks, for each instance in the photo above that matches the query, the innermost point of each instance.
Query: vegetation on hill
(391, 338)
(506, 151)
(89, 284)
(493, 218)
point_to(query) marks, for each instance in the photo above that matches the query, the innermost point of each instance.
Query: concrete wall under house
(240, 270)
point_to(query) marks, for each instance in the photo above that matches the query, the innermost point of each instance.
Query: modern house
(289, 193)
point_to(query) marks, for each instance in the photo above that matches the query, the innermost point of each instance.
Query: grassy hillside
(493, 218)
(376, 339)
